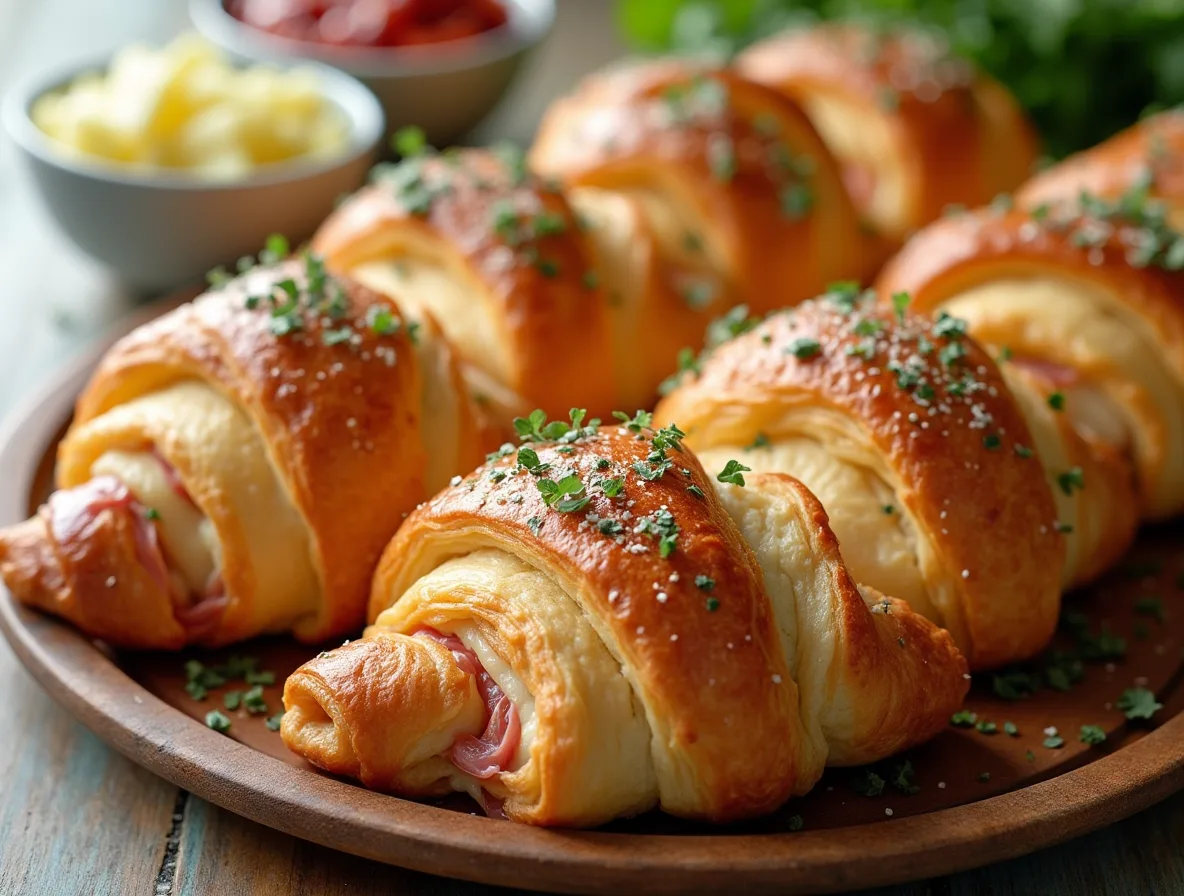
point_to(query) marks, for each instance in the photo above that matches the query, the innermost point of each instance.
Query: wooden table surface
(78, 818)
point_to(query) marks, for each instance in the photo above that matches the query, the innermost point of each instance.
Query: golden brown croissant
(1145, 158)
(910, 437)
(1090, 303)
(914, 128)
(591, 627)
(236, 466)
(686, 192)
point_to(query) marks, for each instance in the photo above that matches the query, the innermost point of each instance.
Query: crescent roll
(236, 466)
(589, 628)
(1092, 302)
(914, 127)
(1145, 158)
(909, 435)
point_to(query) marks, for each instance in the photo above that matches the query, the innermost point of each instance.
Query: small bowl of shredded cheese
(164, 162)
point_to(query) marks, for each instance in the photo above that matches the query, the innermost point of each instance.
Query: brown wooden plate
(982, 796)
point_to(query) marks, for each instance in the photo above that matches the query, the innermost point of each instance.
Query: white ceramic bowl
(162, 229)
(446, 89)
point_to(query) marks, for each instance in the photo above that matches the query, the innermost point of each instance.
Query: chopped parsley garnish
(273, 722)
(568, 495)
(888, 509)
(963, 718)
(151, 513)
(721, 157)
(611, 528)
(232, 699)
(253, 701)
(1092, 735)
(1053, 741)
(796, 201)
(534, 524)
(1071, 479)
(867, 783)
(1023, 450)
(804, 348)
(991, 441)
(535, 428)
(611, 487)
(712, 604)
(900, 304)
(696, 491)
(982, 726)
(704, 583)
(637, 422)
(687, 361)
(1150, 606)
(1138, 703)
(1010, 729)
(1056, 401)
(760, 441)
(661, 525)
(409, 141)
(528, 458)
(796, 823)
(733, 473)
(218, 721)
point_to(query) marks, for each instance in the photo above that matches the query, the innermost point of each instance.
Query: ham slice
(491, 753)
(174, 478)
(73, 511)
(1059, 375)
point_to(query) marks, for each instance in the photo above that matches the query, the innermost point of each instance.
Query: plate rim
(346, 817)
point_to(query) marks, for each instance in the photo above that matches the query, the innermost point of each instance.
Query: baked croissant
(588, 628)
(914, 128)
(914, 443)
(686, 192)
(1090, 305)
(236, 466)
(1145, 158)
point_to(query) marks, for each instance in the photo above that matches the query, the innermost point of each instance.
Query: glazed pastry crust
(530, 296)
(950, 486)
(633, 677)
(1089, 261)
(954, 135)
(721, 158)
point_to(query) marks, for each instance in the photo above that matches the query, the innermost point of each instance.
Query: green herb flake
(1070, 480)
(1150, 606)
(1010, 729)
(733, 473)
(1138, 703)
(1092, 735)
(804, 348)
(218, 721)
(273, 722)
(1056, 401)
(409, 141)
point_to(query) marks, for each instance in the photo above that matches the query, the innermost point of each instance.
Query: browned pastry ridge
(1147, 157)
(236, 466)
(908, 434)
(915, 128)
(1090, 307)
(591, 627)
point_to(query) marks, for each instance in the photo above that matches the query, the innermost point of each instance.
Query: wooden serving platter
(1001, 785)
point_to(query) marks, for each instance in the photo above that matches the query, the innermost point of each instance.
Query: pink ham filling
(73, 511)
(860, 183)
(491, 753)
(174, 479)
(1058, 375)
